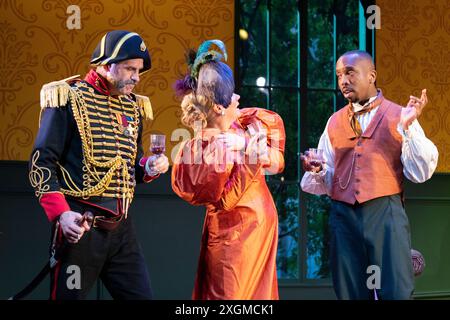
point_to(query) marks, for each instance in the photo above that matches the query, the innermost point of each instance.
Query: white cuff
(414, 129)
(318, 176)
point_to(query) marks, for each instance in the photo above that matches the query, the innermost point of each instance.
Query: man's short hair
(363, 55)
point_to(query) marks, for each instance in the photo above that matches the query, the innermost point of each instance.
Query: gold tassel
(56, 94)
(146, 106)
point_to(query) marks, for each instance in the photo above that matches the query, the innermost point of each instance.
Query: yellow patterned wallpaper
(412, 53)
(37, 47)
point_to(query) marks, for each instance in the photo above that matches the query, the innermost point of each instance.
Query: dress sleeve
(214, 177)
(204, 173)
(246, 171)
(200, 171)
(276, 136)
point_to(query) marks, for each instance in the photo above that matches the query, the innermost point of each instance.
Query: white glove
(233, 142)
(149, 166)
(257, 145)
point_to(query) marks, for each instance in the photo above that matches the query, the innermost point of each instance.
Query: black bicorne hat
(120, 45)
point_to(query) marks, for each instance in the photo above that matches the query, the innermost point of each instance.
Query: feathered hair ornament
(195, 60)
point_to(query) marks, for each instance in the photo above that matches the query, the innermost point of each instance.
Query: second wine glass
(157, 144)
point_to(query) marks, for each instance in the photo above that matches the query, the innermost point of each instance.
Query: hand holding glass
(312, 160)
(157, 147)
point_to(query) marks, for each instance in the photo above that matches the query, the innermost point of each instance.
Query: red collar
(97, 81)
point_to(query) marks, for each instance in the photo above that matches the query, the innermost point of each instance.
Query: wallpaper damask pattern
(36, 47)
(412, 53)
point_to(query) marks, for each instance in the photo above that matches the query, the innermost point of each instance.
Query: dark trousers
(374, 233)
(113, 256)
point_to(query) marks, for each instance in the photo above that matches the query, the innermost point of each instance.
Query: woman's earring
(223, 112)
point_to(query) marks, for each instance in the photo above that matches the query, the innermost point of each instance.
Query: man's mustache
(122, 84)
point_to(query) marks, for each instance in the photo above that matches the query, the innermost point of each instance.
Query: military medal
(120, 122)
(129, 131)
(124, 124)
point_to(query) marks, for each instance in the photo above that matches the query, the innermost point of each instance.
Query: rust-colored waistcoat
(367, 167)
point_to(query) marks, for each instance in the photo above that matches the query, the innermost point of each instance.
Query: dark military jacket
(89, 147)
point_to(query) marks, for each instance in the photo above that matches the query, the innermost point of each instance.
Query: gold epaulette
(56, 94)
(146, 106)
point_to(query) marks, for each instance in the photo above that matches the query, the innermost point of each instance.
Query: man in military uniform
(88, 156)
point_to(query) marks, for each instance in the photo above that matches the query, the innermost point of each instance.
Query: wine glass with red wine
(157, 144)
(312, 160)
(315, 157)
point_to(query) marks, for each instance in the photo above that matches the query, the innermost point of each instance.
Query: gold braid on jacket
(107, 175)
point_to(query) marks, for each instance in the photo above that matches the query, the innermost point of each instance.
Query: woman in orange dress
(223, 168)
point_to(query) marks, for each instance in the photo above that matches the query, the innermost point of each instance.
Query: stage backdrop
(36, 47)
(40, 42)
(412, 53)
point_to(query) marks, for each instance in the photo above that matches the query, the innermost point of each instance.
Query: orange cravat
(352, 115)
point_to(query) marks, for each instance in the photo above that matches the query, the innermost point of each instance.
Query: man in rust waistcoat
(369, 146)
(88, 156)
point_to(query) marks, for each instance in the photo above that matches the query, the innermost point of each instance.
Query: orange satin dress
(240, 233)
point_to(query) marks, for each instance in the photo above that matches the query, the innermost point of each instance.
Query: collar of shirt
(357, 107)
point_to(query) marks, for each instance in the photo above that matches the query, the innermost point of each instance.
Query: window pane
(320, 108)
(285, 103)
(317, 266)
(252, 50)
(253, 97)
(346, 26)
(284, 44)
(340, 101)
(287, 201)
(320, 44)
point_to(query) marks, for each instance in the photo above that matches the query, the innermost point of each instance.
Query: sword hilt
(88, 216)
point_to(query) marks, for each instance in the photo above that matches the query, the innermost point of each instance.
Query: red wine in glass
(315, 163)
(314, 158)
(157, 143)
(157, 149)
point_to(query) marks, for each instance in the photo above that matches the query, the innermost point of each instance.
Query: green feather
(204, 54)
(205, 46)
